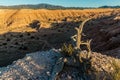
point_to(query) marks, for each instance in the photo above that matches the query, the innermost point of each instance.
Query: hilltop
(109, 7)
(49, 6)
(31, 6)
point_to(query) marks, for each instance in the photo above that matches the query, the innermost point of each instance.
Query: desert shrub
(44, 35)
(23, 48)
(59, 30)
(32, 37)
(16, 43)
(35, 24)
(28, 34)
(115, 75)
(21, 36)
(67, 50)
(7, 39)
(4, 43)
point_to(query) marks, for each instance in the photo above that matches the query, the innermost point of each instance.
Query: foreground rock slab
(35, 66)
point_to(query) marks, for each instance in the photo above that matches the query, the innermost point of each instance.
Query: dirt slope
(105, 33)
(12, 19)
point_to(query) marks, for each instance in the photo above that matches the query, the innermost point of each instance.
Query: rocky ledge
(35, 66)
(46, 65)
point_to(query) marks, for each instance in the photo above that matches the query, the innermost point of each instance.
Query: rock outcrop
(35, 66)
(49, 65)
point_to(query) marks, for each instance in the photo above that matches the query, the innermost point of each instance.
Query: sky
(66, 3)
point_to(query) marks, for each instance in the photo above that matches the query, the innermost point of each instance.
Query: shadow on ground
(104, 33)
(15, 45)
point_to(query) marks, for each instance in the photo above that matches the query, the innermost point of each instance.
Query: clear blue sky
(73, 3)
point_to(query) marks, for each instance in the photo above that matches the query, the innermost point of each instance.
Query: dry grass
(115, 75)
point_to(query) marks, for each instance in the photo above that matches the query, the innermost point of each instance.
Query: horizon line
(60, 5)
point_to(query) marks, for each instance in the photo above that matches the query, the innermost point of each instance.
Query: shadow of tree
(15, 45)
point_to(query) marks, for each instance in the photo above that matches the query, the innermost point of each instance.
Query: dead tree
(78, 38)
